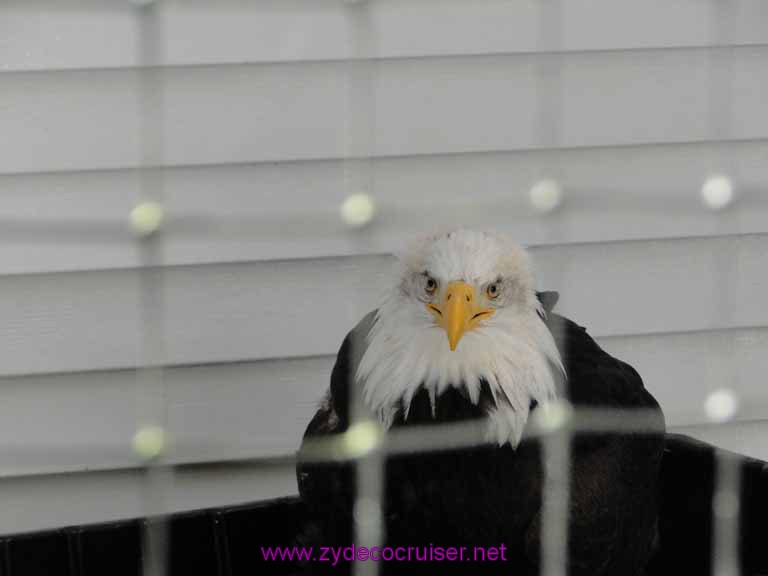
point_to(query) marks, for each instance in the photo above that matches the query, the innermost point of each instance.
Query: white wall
(264, 280)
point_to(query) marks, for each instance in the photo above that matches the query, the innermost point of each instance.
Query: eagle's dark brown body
(491, 495)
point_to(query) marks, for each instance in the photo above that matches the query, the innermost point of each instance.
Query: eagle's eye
(430, 285)
(493, 290)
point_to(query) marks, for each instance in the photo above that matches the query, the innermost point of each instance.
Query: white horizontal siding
(740, 437)
(227, 312)
(221, 114)
(215, 412)
(76, 220)
(62, 34)
(84, 421)
(265, 282)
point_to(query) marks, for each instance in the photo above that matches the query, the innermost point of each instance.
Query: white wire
(726, 493)
(368, 516)
(146, 218)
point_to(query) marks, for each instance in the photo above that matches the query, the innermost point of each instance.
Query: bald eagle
(463, 334)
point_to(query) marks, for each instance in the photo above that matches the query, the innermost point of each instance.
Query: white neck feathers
(513, 351)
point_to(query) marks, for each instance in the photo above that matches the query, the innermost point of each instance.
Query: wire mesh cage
(289, 147)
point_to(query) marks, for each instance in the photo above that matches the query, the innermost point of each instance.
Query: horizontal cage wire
(357, 222)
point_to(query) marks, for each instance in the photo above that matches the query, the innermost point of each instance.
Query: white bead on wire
(147, 218)
(149, 442)
(717, 192)
(546, 195)
(358, 210)
(721, 405)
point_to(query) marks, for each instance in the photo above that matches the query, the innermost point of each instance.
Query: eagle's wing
(332, 415)
(613, 499)
(327, 488)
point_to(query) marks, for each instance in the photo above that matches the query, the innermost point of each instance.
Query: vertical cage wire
(364, 433)
(555, 501)
(146, 219)
(556, 445)
(727, 480)
(726, 510)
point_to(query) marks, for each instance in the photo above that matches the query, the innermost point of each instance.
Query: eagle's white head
(464, 311)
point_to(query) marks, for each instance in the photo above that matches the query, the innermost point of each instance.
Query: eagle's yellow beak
(459, 311)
